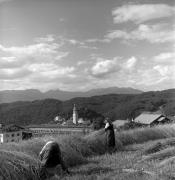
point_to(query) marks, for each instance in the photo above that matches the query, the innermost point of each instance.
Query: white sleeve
(107, 125)
(45, 147)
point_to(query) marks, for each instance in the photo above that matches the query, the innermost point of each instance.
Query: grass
(120, 166)
(87, 158)
(142, 135)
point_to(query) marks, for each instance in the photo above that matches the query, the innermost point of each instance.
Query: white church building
(75, 115)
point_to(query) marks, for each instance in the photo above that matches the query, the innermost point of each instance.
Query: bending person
(51, 157)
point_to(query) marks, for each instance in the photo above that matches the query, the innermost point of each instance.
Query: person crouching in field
(110, 135)
(50, 157)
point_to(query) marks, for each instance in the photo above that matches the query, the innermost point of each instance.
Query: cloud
(97, 40)
(40, 52)
(138, 72)
(130, 63)
(165, 58)
(47, 39)
(88, 47)
(148, 78)
(50, 71)
(74, 42)
(15, 73)
(9, 62)
(36, 61)
(44, 65)
(158, 33)
(157, 77)
(104, 67)
(40, 49)
(50, 38)
(79, 44)
(139, 13)
(163, 70)
(41, 65)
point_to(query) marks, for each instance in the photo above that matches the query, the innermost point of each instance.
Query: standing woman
(110, 135)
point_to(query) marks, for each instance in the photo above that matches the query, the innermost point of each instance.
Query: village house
(151, 119)
(84, 122)
(58, 119)
(119, 123)
(13, 133)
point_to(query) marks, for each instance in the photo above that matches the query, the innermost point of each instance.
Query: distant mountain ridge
(115, 106)
(8, 96)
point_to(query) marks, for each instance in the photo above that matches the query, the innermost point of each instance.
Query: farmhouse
(151, 119)
(119, 123)
(84, 122)
(59, 119)
(13, 133)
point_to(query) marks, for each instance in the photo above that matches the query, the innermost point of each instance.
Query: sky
(78, 45)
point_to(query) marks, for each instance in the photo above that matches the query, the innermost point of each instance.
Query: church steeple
(75, 115)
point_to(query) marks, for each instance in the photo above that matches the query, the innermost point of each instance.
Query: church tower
(75, 115)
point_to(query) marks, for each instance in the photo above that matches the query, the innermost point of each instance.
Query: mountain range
(115, 106)
(8, 96)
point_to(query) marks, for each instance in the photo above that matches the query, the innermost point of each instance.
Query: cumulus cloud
(153, 74)
(139, 13)
(73, 41)
(41, 64)
(40, 49)
(163, 70)
(157, 76)
(157, 33)
(31, 65)
(9, 62)
(50, 38)
(133, 72)
(40, 52)
(130, 63)
(104, 67)
(14, 73)
(97, 40)
(165, 58)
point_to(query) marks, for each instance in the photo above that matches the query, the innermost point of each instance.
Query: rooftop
(147, 118)
(11, 128)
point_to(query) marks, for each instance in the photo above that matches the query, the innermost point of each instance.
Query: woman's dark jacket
(110, 136)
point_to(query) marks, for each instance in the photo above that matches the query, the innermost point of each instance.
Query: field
(146, 153)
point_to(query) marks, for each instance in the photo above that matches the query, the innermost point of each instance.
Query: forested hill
(116, 106)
